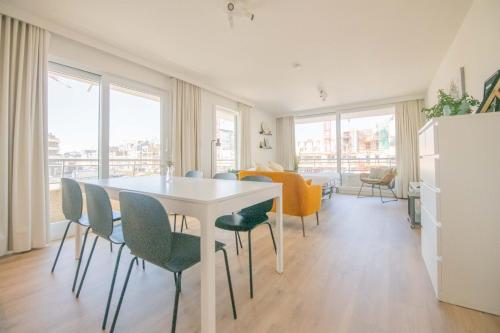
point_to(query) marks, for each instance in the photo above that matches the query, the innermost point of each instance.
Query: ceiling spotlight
(322, 93)
(297, 66)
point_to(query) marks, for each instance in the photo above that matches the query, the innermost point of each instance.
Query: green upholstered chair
(231, 176)
(248, 219)
(72, 206)
(189, 174)
(148, 236)
(101, 220)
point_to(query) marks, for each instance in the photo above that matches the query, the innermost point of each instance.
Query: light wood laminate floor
(359, 271)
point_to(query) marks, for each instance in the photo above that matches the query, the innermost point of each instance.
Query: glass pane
(316, 144)
(226, 129)
(73, 120)
(134, 133)
(368, 140)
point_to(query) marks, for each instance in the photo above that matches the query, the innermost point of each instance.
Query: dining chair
(72, 206)
(231, 176)
(248, 219)
(189, 174)
(100, 218)
(148, 235)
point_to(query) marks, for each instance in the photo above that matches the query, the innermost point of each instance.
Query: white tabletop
(199, 190)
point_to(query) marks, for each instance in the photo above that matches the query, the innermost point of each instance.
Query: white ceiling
(359, 50)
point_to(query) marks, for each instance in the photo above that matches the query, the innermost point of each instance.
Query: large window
(134, 133)
(73, 131)
(365, 139)
(226, 130)
(100, 126)
(316, 143)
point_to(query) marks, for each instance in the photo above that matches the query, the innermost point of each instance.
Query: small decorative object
(264, 144)
(170, 171)
(491, 94)
(264, 129)
(448, 105)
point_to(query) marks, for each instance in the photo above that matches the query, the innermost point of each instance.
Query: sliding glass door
(226, 129)
(99, 126)
(134, 133)
(73, 130)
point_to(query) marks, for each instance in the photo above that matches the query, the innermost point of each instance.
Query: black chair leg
(317, 218)
(143, 265)
(176, 304)
(303, 227)
(113, 280)
(122, 294)
(250, 261)
(80, 259)
(239, 239)
(184, 223)
(86, 267)
(360, 189)
(60, 247)
(110, 246)
(229, 283)
(272, 235)
(237, 246)
(175, 222)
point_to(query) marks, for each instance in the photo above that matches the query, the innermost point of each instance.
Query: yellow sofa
(300, 198)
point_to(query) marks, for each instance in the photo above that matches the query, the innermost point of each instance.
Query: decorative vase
(170, 173)
(446, 110)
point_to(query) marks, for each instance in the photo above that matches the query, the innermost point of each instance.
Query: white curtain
(409, 119)
(187, 118)
(285, 142)
(23, 128)
(246, 157)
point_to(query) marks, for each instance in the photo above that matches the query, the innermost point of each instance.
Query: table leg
(78, 239)
(279, 234)
(208, 274)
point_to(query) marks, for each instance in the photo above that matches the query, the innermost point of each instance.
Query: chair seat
(117, 234)
(84, 219)
(370, 181)
(239, 222)
(185, 252)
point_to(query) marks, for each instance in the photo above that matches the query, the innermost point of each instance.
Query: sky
(73, 115)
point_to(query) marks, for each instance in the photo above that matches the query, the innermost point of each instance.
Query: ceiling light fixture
(297, 66)
(322, 93)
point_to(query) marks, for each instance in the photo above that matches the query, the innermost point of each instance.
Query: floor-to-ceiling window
(367, 140)
(364, 139)
(134, 133)
(226, 130)
(100, 126)
(73, 130)
(316, 143)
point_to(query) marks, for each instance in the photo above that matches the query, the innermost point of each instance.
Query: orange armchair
(300, 198)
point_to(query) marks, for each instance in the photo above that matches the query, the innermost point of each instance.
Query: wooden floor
(359, 271)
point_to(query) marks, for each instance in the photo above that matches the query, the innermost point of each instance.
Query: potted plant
(449, 106)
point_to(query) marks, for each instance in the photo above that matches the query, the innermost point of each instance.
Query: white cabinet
(460, 199)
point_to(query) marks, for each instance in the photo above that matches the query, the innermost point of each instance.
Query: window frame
(215, 136)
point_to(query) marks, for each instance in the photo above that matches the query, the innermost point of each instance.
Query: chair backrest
(72, 200)
(146, 227)
(194, 174)
(389, 177)
(260, 208)
(225, 175)
(99, 210)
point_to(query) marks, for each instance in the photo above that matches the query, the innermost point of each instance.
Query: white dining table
(205, 200)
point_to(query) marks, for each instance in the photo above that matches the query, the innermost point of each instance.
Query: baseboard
(367, 191)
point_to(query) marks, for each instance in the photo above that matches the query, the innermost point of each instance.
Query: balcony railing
(348, 165)
(88, 168)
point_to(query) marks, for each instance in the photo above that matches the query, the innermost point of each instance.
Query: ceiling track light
(322, 93)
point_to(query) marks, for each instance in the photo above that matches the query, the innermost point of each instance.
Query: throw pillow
(275, 166)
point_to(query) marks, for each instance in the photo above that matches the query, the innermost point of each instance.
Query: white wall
(209, 101)
(263, 155)
(476, 47)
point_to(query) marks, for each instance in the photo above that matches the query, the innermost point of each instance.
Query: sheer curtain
(23, 128)
(187, 138)
(246, 136)
(285, 142)
(409, 119)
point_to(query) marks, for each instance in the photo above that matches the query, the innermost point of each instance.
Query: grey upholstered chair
(189, 174)
(100, 217)
(247, 219)
(148, 235)
(72, 206)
